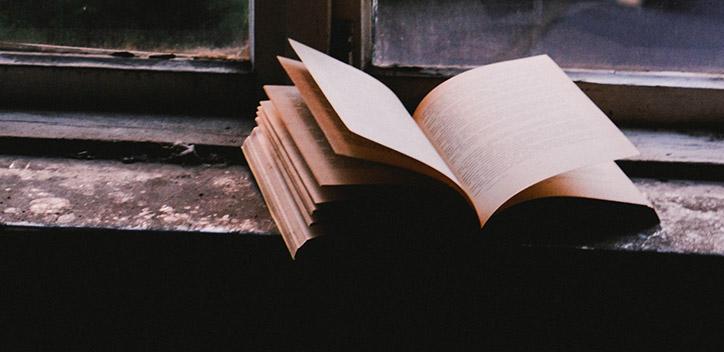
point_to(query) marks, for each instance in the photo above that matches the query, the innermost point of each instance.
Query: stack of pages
(337, 153)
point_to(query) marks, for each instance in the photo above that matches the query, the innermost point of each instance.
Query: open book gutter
(337, 154)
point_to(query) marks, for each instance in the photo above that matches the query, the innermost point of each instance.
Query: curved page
(328, 168)
(603, 182)
(369, 109)
(507, 126)
(287, 216)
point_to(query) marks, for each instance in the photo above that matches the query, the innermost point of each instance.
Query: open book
(338, 150)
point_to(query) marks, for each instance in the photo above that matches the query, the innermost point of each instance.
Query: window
(103, 69)
(212, 29)
(644, 62)
(128, 56)
(625, 50)
(634, 35)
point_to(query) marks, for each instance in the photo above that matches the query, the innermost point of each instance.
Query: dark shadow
(397, 223)
(121, 290)
(568, 221)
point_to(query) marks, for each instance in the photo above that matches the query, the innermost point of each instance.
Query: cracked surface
(142, 196)
(224, 198)
(692, 216)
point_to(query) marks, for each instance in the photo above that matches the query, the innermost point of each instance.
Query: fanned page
(269, 117)
(291, 177)
(276, 193)
(328, 168)
(507, 126)
(342, 141)
(370, 110)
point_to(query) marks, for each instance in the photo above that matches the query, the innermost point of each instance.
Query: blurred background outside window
(638, 35)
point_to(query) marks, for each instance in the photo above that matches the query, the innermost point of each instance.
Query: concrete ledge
(105, 194)
(54, 192)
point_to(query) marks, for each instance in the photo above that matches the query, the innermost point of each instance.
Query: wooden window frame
(94, 80)
(98, 82)
(648, 99)
(343, 28)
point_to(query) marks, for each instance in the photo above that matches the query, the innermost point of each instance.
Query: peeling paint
(120, 197)
(66, 218)
(154, 196)
(114, 195)
(692, 215)
(50, 205)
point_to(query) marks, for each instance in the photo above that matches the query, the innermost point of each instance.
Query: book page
(282, 142)
(602, 181)
(369, 109)
(282, 207)
(283, 160)
(507, 126)
(343, 141)
(328, 168)
(297, 190)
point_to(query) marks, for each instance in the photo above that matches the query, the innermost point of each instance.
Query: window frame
(99, 82)
(343, 28)
(96, 80)
(657, 99)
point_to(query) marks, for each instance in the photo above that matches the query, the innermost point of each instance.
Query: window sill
(152, 193)
(45, 192)
(141, 85)
(109, 61)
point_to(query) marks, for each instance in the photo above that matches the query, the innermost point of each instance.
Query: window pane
(660, 35)
(210, 28)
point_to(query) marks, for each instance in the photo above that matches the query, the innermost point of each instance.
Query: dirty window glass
(659, 35)
(203, 28)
